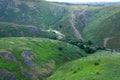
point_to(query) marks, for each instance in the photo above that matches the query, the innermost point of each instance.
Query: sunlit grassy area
(48, 55)
(102, 65)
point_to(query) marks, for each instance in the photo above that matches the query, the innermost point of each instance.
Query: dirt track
(106, 41)
(72, 21)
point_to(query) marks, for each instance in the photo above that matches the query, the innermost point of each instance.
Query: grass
(48, 55)
(60, 59)
(41, 14)
(15, 30)
(100, 66)
(45, 15)
(11, 67)
(37, 13)
(105, 23)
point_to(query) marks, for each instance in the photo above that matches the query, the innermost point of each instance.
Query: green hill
(100, 66)
(15, 30)
(33, 58)
(89, 20)
(31, 12)
(37, 13)
(27, 53)
(103, 27)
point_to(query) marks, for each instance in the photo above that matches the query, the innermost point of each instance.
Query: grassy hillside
(100, 66)
(36, 12)
(24, 57)
(33, 58)
(39, 13)
(104, 23)
(89, 20)
(15, 30)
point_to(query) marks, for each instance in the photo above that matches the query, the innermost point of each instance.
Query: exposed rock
(81, 17)
(28, 57)
(6, 73)
(35, 71)
(7, 55)
(32, 29)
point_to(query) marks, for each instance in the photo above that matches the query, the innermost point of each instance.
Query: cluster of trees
(87, 46)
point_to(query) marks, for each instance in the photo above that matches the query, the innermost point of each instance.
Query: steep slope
(33, 58)
(15, 30)
(103, 27)
(89, 20)
(100, 66)
(31, 12)
(26, 58)
(39, 13)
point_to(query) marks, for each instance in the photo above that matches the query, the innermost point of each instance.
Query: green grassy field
(47, 55)
(102, 65)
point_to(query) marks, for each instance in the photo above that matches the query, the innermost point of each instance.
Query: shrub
(96, 63)
(97, 73)
(60, 48)
(74, 71)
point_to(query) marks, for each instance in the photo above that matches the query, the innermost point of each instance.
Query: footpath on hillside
(72, 21)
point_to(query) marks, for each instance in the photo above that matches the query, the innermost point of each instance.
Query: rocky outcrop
(81, 17)
(32, 29)
(35, 72)
(7, 55)
(6, 73)
(28, 57)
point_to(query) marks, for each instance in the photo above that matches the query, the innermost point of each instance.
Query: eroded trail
(72, 21)
(106, 41)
